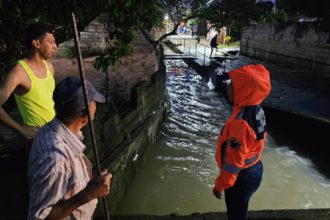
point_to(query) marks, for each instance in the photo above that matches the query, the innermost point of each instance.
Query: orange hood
(251, 84)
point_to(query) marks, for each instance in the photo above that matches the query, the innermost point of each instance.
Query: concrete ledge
(299, 214)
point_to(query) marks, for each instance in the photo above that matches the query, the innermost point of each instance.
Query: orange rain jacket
(242, 138)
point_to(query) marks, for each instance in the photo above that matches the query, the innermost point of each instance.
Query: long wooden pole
(90, 123)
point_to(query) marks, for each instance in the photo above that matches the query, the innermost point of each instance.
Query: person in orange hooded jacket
(241, 140)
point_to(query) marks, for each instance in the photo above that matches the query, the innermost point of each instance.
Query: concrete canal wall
(122, 140)
(93, 37)
(311, 51)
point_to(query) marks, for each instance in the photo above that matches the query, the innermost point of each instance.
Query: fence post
(189, 48)
(204, 55)
(184, 44)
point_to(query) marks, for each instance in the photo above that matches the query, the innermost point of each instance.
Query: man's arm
(49, 179)
(97, 187)
(14, 79)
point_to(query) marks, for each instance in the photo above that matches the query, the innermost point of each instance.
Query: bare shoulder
(15, 76)
(51, 67)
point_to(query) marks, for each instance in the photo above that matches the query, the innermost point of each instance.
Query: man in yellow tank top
(32, 82)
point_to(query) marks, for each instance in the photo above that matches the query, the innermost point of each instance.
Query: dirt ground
(314, 82)
(123, 76)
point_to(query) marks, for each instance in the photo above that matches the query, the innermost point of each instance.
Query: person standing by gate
(214, 43)
(241, 140)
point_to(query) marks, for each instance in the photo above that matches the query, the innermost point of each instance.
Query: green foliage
(70, 52)
(228, 39)
(229, 44)
(15, 16)
(122, 17)
(230, 12)
(236, 15)
(112, 55)
(315, 8)
(279, 16)
(304, 15)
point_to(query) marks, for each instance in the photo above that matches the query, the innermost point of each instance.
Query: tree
(316, 8)
(235, 14)
(15, 16)
(122, 16)
(305, 14)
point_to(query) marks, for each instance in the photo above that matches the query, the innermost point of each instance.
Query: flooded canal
(179, 170)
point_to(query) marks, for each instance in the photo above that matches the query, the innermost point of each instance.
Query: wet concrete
(296, 91)
(297, 101)
(311, 214)
(298, 107)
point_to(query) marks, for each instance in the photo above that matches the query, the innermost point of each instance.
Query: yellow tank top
(37, 106)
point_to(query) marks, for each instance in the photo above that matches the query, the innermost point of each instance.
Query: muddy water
(178, 172)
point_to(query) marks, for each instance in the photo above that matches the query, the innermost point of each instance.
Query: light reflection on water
(179, 171)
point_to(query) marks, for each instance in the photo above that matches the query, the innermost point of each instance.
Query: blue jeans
(238, 197)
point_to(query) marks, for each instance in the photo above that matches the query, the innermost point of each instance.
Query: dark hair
(35, 31)
(69, 112)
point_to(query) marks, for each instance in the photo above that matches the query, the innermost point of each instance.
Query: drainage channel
(178, 172)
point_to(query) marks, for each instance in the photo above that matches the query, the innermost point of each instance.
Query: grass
(231, 44)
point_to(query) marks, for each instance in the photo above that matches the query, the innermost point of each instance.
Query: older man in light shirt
(60, 177)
